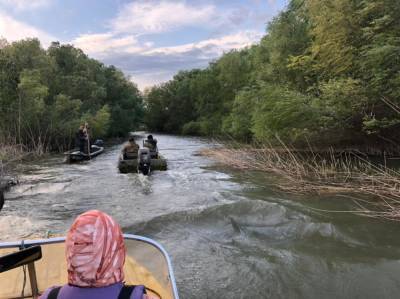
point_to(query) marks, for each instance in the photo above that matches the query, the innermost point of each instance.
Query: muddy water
(228, 233)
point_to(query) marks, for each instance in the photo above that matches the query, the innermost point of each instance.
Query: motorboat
(29, 267)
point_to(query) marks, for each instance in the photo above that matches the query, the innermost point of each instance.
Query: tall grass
(349, 174)
(10, 152)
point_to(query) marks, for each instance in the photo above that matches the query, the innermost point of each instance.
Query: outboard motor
(144, 161)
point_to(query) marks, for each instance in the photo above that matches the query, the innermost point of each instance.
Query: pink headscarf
(95, 251)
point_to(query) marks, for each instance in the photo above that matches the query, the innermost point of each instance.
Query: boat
(29, 267)
(146, 160)
(133, 165)
(6, 183)
(78, 156)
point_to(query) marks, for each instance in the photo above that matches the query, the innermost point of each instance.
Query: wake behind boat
(147, 263)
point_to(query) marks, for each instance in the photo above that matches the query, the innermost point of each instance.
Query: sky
(149, 40)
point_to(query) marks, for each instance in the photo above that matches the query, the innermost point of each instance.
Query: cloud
(25, 4)
(216, 46)
(13, 30)
(107, 44)
(148, 79)
(147, 70)
(160, 16)
(130, 39)
(148, 65)
(239, 16)
(101, 44)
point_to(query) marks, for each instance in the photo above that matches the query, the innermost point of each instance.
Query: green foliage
(373, 126)
(289, 36)
(240, 123)
(192, 128)
(65, 113)
(170, 106)
(284, 113)
(46, 94)
(64, 117)
(336, 35)
(327, 72)
(100, 122)
(32, 93)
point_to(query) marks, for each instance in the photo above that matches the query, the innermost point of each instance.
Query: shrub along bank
(46, 93)
(327, 72)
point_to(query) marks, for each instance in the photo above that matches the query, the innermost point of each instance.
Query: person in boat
(81, 138)
(130, 149)
(151, 144)
(87, 144)
(95, 253)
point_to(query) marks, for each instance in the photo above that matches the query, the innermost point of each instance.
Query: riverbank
(11, 152)
(374, 187)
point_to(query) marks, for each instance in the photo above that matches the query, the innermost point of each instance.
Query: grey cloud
(142, 63)
(152, 69)
(157, 61)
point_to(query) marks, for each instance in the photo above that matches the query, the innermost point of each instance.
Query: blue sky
(150, 40)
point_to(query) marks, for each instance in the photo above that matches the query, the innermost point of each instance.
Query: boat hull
(147, 263)
(77, 156)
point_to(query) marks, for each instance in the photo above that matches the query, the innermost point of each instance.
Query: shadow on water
(229, 233)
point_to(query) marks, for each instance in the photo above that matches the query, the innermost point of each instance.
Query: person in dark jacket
(81, 138)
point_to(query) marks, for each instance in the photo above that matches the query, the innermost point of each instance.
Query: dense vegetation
(46, 94)
(326, 72)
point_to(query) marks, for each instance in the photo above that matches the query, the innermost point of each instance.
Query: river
(230, 235)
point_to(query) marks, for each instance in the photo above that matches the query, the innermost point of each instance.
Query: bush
(191, 128)
(288, 114)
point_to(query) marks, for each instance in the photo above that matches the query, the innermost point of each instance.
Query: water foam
(14, 228)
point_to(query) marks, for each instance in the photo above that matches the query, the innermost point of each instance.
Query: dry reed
(305, 172)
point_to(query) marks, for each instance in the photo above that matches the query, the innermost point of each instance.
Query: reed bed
(10, 154)
(347, 174)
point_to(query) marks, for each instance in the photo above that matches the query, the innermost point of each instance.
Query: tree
(327, 71)
(44, 94)
(31, 106)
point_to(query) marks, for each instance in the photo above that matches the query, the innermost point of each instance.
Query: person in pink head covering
(95, 253)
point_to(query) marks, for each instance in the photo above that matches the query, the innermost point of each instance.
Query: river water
(230, 235)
